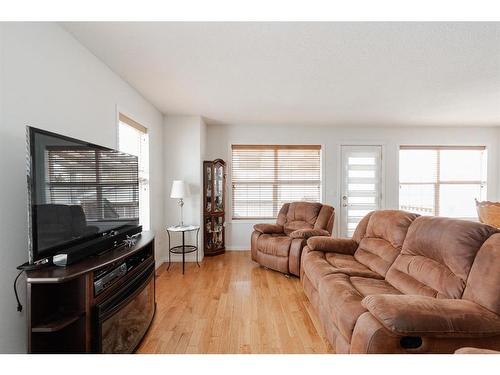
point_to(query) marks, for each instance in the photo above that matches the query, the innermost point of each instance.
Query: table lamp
(179, 191)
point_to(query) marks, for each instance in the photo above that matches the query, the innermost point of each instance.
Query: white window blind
(442, 180)
(264, 177)
(133, 139)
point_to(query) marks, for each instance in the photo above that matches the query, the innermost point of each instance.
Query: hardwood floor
(231, 305)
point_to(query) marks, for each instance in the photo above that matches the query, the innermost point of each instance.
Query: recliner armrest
(306, 233)
(268, 228)
(333, 245)
(411, 315)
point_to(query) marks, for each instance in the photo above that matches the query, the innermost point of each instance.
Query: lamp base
(181, 204)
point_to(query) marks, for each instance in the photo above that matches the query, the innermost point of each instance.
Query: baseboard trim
(191, 257)
(237, 248)
(177, 258)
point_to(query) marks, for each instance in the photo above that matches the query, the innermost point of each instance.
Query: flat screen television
(78, 192)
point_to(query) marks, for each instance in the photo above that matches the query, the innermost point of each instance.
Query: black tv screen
(77, 191)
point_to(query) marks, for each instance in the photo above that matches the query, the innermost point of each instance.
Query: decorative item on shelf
(130, 241)
(214, 183)
(488, 213)
(179, 191)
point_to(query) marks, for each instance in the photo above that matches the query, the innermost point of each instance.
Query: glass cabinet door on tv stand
(214, 192)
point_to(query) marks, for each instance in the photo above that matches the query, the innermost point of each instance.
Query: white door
(361, 185)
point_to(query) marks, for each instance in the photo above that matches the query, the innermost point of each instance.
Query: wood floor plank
(231, 305)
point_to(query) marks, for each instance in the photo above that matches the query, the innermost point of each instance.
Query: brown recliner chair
(279, 246)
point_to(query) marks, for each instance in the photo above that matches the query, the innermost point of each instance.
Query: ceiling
(339, 74)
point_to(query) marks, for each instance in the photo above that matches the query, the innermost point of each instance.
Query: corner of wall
(184, 142)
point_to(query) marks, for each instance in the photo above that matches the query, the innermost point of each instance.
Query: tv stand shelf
(57, 322)
(61, 305)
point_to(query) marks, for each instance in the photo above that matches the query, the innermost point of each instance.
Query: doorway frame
(340, 181)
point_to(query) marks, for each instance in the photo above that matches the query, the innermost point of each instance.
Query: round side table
(183, 249)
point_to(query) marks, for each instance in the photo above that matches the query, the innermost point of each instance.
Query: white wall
(203, 157)
(48, 80)
(220, 138)
(184, 149)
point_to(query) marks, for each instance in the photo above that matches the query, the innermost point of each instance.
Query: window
(133, 139)
(442, 180)
(266, 177)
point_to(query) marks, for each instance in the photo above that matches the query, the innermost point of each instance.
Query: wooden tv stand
(65, 315)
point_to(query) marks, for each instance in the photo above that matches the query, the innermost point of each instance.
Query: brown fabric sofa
(406, 284)
(279, 246)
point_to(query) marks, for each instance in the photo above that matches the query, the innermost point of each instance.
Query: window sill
(251, 221)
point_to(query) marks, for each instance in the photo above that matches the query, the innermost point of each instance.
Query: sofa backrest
(325, 218)
(380, 236)
(300, 215)
(437, 256)
(483, 283)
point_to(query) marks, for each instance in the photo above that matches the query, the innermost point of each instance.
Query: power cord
(19, 306)
(28, 267)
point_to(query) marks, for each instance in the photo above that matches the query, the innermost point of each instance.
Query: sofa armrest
(268, 228)
(306, 233)
(332, 245)
(411, 315)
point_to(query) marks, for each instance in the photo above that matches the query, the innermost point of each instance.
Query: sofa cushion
(483, 283)
(318, 264)
(269, 228)
(274, 244)
(383, 239)
(315, 266)
(301, 215)
(427, 316)
(341, 295)
(280, 264)
(293, 226)
(437, 256)
(344, 263)
(367, 286)
(360, 230)
(325, 219)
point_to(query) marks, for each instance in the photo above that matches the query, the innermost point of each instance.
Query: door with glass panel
(361, 185)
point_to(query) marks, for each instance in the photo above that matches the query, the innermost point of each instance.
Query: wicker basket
(489, 213)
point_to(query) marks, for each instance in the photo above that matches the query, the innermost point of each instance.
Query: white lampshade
(179, 189)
